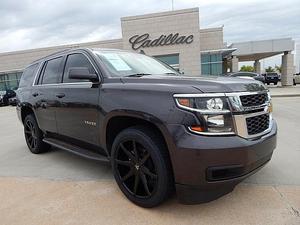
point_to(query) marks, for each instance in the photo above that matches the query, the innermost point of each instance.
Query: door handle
(35, 94)
(60, 95)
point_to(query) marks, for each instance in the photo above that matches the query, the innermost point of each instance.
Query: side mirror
(82, 73)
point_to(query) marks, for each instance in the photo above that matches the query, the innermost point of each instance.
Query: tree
(278, 68)
(245, 68)
(270, 69)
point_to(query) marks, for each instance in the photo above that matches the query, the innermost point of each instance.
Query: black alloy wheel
(34, 135)
(30, 134)
(141, 166)
(136, 169)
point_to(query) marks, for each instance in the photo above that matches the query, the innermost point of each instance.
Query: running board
(76, 150)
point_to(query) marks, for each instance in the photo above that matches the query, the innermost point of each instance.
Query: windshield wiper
(138, 75)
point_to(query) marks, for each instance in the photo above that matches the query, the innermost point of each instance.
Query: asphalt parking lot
(61, 188)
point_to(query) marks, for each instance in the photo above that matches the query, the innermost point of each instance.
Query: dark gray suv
(159, 130)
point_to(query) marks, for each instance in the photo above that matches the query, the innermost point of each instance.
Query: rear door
(78, 113)
(44, 92)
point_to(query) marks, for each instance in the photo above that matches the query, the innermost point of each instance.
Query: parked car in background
(271, 77)
(279, 77)
(5, 96)
(252, 75)
(296, 79)
(12, 101)
(2, 99)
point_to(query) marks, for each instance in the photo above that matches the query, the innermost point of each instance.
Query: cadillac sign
(143, 41)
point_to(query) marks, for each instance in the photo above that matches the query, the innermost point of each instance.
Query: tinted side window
(28, 75)
(76, 60)
(52, 74)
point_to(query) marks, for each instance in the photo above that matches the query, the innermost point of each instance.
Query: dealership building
(174, 37)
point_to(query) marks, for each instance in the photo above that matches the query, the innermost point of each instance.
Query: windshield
(121, 64)
(271, 73)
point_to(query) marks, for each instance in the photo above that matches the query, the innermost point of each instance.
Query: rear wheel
(141, 166)
(34, 136)
(294, 82)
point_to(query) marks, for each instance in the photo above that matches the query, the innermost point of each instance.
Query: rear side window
(28, 75)
(76, 60)
(51, 71)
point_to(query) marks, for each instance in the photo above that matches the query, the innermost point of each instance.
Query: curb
(284, 95)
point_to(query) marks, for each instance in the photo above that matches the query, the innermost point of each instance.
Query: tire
(268, 83)
(275, 83)
(294, 82)
(141, 166)
(34, 136)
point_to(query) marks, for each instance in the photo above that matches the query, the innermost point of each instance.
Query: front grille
(257, 124)
(254, 100)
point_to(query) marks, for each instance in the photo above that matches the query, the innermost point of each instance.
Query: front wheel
(141, 166)
(34, 136)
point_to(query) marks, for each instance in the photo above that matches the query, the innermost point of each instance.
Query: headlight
(213, 112)
(214, 104)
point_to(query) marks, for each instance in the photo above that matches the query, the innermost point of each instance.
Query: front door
(77, 115)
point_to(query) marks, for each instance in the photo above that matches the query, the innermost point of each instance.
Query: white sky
(30, 24)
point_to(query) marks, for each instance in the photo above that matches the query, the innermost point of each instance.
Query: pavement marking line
(40, 201)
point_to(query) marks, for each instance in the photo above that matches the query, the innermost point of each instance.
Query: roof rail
(55, 53)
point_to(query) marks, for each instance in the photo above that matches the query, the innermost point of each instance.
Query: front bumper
(271, 80)
(207, 167)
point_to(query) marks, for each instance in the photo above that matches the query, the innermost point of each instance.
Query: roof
(255, 50)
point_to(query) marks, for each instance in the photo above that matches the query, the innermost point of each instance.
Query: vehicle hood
(205, 84)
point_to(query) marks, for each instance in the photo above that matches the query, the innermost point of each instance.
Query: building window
(10, 81)
(211, 64)
(171, 60)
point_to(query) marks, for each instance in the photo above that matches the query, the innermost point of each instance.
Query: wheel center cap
(137, 167)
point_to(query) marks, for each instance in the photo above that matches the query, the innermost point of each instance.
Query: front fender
(138, 115)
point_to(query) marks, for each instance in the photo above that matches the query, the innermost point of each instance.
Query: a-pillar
(287, 69)
(234, 64)
(257, 66)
